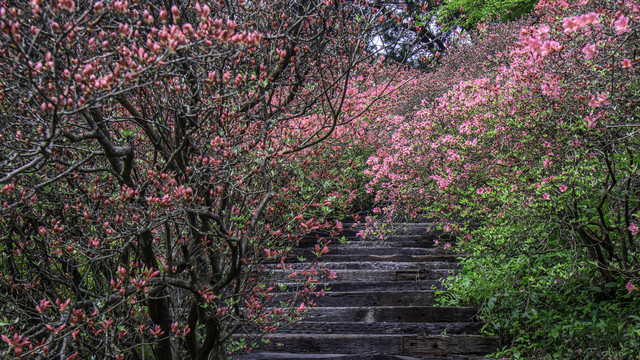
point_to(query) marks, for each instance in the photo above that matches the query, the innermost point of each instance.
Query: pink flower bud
(175, 12)
(163, 15)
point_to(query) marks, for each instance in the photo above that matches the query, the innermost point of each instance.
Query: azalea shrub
(157, 165)
(538, 155)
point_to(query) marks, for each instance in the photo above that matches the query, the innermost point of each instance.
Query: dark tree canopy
(418, 32)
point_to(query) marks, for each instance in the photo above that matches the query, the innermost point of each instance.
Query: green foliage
(548, 305)
(477, 11)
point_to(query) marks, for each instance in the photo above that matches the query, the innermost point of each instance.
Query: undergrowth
(548, 306)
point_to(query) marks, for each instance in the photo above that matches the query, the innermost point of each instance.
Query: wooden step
(355, 250)
(373, 314)
(396, 228)
(371, 275)
(443, 345)
(360, 286)
(292, 356)
(347, 257)
(371, 298)
(379, 265)
(360, 344)
(410, 240)
(420, 328)
(416, 346)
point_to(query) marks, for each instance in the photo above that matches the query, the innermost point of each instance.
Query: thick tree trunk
(157, 302)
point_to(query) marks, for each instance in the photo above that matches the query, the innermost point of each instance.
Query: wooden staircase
(381, 305)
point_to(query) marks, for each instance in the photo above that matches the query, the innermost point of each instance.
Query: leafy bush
(550, 306)
(474, 12)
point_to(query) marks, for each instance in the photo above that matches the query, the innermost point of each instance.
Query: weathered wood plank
(435, 328)
(395, 241)
(378, 298)
(291, 356)
(347, 257)
(369, 298)
(377, 286)
(443, 345)
(380, 265)
(374, 250)
(391, 314)
(371, 275)
(336, 343)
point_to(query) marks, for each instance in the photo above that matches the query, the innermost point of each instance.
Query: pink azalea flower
(589, 51)
(626, 63)
(546, 196)
(544, 31)
(570, 25)
(591, 121)
(332, 274)
(633, 228)
(563, 188)
(602, 99)
(630, 287)
(593, 102)
(622, 25)
(589, 19)
(533, 43)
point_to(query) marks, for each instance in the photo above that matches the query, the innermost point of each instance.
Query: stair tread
(382, 344)
(333, 257)
(367, 336)
(391, 314)
(400, 297)
(375, 249)
(373, 286)
(371, 275)
(407, 328)
(292, 356)
(370, 265)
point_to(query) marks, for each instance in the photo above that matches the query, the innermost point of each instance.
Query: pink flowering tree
(538, 154)
(154, 156)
